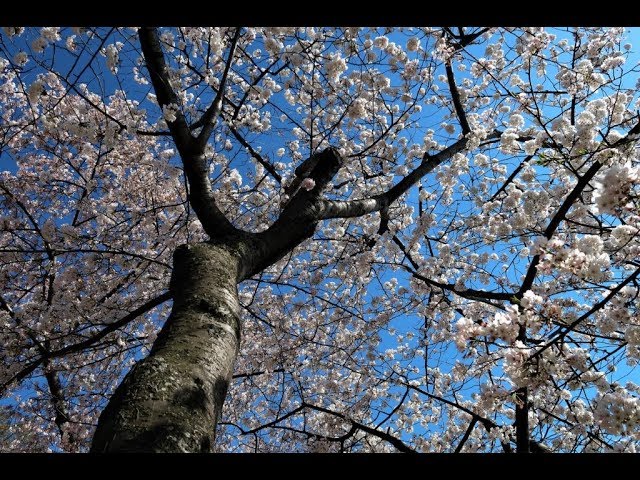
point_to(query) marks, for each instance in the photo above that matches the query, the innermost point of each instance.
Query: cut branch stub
(299, 218)
(320, 167)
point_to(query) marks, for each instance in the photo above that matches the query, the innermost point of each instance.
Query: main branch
(191, 149)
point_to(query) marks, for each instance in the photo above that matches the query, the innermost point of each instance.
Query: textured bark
(171, 401)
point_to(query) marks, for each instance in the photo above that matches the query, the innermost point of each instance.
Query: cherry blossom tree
(355, 239)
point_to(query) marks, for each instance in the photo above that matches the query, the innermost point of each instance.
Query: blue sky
(403, 323)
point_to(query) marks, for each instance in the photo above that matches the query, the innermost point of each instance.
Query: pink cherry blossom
(372, 239)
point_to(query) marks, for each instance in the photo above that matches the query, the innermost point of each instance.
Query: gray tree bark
(171, 401)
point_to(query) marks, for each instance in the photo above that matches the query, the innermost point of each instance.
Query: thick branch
(464, 39)
(298, 220)
(214, 222)
(159, 74)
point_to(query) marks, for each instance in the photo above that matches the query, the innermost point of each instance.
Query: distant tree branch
(262, 161)
(466, 293)
(255, 374)
(486, 422)
(396, 442)
(57, 397)
(513, 175)
(355, 208)
(455, 96)
(79, 346)
(276, 421)
(569, 201)
(210, 116)
(562, 331)
(466, 435)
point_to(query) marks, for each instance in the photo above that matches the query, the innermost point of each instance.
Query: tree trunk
(171, 401)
